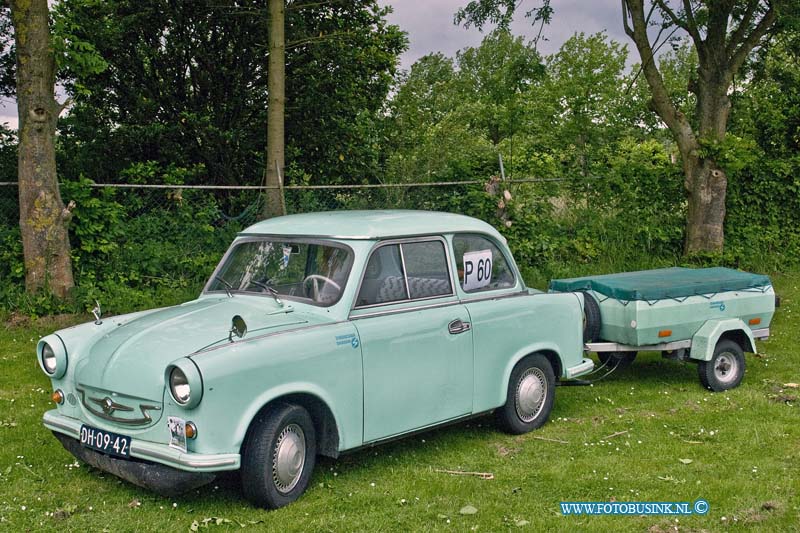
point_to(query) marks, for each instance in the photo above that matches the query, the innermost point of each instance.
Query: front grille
(119, 409)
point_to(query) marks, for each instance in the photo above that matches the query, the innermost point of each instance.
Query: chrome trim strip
(265, 335)
(405, 271)
(109, 406)
(405, 309)
(149, 451)
(515, 294)
(585, 366)
(761, 333)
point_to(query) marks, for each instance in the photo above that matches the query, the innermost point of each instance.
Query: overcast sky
(430, 24)
(430, 28)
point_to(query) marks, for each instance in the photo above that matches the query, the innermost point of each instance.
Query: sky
(430, 28)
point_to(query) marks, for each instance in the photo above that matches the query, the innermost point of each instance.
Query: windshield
(314, 273)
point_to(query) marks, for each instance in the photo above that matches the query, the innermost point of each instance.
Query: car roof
(371, 225)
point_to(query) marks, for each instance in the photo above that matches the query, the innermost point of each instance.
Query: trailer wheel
(616, 359)
(591, 318)
(530, 395)
(726, 368)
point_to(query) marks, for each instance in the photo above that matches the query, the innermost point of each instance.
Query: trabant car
(316, 334)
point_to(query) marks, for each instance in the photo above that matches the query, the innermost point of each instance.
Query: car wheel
(529, 399)
(278, 456)
(726, 368)
(616, 359)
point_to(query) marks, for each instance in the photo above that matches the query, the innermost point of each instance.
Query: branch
(689, 25)
(752, 40)
(662, 103)
(738, 35)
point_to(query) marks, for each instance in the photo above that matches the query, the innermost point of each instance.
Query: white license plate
(106, 441)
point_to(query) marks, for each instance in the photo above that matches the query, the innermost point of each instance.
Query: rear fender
(706, 338)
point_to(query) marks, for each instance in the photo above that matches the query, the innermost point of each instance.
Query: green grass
(744, 446)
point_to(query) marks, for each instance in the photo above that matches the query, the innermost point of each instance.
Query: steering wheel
(315, 278)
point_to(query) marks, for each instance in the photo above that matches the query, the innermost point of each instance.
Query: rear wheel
(616, 359)
(278, 456)
(726, 368)
(530, 395)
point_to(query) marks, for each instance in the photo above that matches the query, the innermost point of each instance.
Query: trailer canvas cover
(674, 283)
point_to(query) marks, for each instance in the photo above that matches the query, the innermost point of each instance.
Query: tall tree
(723, 33)
(43, 218)
(186, 88)
(276, 110)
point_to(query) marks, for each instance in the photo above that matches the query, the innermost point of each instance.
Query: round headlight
(52, 356)
(179, 386)
(49, 359)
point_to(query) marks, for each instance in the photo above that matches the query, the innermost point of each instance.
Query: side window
(426, 268)
(425, 274)
(481, 265)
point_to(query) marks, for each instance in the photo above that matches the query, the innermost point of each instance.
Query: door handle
(458, 326)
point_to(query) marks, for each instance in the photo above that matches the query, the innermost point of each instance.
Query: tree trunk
(706, 182)
(276, 86)
(43, 219)
(706, 186)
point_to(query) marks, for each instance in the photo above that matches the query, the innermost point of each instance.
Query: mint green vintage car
(316, 334)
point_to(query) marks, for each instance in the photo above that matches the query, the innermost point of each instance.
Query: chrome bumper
(585, 366)
(150, 451)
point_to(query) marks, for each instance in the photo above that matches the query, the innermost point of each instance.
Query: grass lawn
(649, 433)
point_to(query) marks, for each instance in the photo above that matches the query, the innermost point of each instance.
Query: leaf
(468, 509)
(686, 461)
(521, 523)
(195, 526)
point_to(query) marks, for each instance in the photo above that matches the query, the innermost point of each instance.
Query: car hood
(131, 359)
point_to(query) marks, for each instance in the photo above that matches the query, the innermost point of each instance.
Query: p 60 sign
(477, 269)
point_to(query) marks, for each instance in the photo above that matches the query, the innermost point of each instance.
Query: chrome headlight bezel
(185, 383)
(52, 356)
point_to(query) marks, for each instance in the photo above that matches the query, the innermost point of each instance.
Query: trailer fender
(706, 338)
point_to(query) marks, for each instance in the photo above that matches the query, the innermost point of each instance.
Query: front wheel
(529, 400)
(278, 456)
(725, 370)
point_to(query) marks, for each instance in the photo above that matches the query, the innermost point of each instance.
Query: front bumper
(149, 451)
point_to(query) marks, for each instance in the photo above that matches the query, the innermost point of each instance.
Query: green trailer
(711, 316)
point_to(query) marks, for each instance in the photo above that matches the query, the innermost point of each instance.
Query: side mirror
(238, 328)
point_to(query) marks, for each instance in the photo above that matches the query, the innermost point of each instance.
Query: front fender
(279, 391)
(705, 340)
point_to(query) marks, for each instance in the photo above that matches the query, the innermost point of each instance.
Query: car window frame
(391, 242)
(286, 238)
(512, 265)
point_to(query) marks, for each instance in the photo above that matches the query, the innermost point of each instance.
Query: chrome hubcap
(726, 368)
(288, 458)
(531, 394)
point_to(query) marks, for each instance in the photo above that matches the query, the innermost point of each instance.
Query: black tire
(260, 474)
(519, 415)
(726, 368)
(591, 318)
(617, 360)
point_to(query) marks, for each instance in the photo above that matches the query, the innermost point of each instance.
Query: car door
(416, 339)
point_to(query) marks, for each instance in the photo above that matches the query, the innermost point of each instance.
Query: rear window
(481, 265)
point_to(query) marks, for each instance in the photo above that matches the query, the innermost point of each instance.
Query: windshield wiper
(228, 286)
(270, 290)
